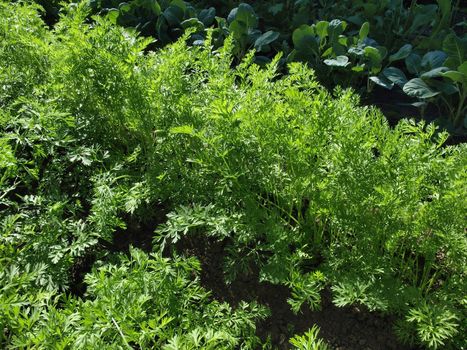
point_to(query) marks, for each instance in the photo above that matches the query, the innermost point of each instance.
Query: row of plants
(76, 128)
(416, 50)
(305, 185)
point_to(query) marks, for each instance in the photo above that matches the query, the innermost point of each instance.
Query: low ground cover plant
(306, 186)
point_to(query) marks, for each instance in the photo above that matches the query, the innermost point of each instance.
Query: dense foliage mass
(416, 49)
(304, 185)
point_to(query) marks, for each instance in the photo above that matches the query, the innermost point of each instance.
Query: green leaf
(222, 25)
(343, 41)
(322, 29)
(446, 9)
(304, 41)
(336, 28)
(374, 57)
(446, 88)
(154, 7)
(434, 73)
(358, 68)
(328, 52)
(207, 16)
(364, 30)
(463, 68)
(239, 30)
(193, 23)
(338, 49)
(246, 14)
(395, 75)
(183, 129)
(162, 28)
(302, 34)
(413, 63)
(382, 51)
(232, 15)
(434, 59)
(261, 61)
(454, 75)
(173, 15)
(381, 80)
(112, 15)
(124, 7)
(402, 53)
(266, 39)
(444, 6)
(178, 3)
(418, 88)
(356, 50)
(339, 61)
(456, 49)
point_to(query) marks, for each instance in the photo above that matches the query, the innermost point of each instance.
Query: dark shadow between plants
(349, 328)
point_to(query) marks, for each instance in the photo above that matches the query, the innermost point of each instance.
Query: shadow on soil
(137, 233)
(349, 328)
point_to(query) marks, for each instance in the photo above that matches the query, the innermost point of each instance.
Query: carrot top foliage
(308, 187)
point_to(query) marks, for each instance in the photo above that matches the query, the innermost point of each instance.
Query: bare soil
(351, 328)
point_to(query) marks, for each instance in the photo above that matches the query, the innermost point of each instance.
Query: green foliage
(350, 43)
(357, 56)
(145, 301)
(306, 289)
(21, 45)
(299, 183)
(309, 341)
(433, 325)
(190, 220)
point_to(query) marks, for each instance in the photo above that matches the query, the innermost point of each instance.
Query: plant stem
(460, 107)
(121, 334)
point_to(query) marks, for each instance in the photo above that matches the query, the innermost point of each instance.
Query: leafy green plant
(165, 20)
(325, 40)
(358, 57)
(306, 289)
(433, 325)
(299, 183)
(309, 341)
(378, 35)
(144, 301)
(440, 77)
(243, 24)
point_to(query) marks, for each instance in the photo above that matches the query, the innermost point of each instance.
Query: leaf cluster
(417, 50)
(304, 185)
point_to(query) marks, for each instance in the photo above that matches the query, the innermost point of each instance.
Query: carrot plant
(305, 186)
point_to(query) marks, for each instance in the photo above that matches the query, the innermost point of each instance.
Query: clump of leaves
(309, 340)
(361, 45)
(300, 183)
(145, 301)
(434, 326)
